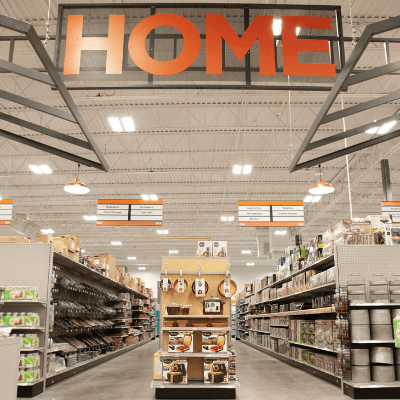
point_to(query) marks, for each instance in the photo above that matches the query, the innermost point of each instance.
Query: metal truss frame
(52, 78)
(343, 81)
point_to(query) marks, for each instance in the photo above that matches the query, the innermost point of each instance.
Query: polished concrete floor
(128, 377)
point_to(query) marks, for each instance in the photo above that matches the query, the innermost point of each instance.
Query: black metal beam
(351, 132)
(26, 72)
(44, 130)
(386, 184)
(347, 150)
(49, 149)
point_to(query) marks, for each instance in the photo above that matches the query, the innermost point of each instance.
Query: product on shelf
(180, 342)
(19, 319)
(216, 371)
(20, 293)
(175, 370)
(29, 360)
(220, 248)
(214, 342)
(28, 375)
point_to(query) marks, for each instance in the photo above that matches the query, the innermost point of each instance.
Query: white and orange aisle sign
(271, 213)
(129, 212)
(6, 212)
(391, 208)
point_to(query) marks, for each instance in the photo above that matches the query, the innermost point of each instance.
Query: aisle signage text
(271, 213)
(129, 212)
(218, 30)
(6, 207)
(391, 208)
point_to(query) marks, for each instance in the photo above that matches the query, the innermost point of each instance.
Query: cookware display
(185, 309)
(177, 373)
(173, 309)
(165, 285)
(218, 373)
(213, 306)
(200, 288)
(180, 285)
(227, 288)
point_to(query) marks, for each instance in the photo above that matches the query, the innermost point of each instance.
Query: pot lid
(174, 305)
(212, 298)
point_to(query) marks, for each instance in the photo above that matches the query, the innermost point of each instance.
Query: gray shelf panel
(195, 355)
(31, 384)
(310, 346)
(26, 328)
(63, 261)
(4, 302)
(195, 385)
(40, 349)
(206, 329)
(373, 342)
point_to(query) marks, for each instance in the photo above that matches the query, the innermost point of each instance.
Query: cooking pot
(185, 309)
(173, 309)
(213, 306)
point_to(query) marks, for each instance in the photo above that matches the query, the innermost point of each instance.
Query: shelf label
(6, 207)
(129, 212)
(391, 208)
(271, 213)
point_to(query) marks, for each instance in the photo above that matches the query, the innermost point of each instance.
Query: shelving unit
(213, 271)
(37, 265)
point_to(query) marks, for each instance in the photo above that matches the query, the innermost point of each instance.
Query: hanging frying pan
(232, 287)
(194, 287)
(165, 288)
(179, 288)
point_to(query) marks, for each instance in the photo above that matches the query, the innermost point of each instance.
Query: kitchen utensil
(173, 309)
(382, 332)
(383, 373)
(381, 355)
(227, 288)
(397, 370)
(218, 373)
(380, 316)
(359, 357)
(165, 285)
(213, 306)
(180, 285)
(360, 374)
(360, 332)
(194, 288)
(359, 317)
(185, 309)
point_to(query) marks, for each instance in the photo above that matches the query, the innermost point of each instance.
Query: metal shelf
(195, 385)
(4, 302)
(213, 329)
(372, 305)
(256, 330)
(312, 347)
(41, 349)
(31, 384)
(195, 355)
(196, 316)
(24, 328)
(61, 260)
(325, 310)
(373, 341)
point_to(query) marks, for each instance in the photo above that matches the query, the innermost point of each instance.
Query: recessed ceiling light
(308, 199)
(145, 197)
(283, 233)
(36, 169)
(93, 218)
(316, 199)
(116, 243)
(153, 197)
(131, 258)
(142, 268)
(46, 169)
(165, 231)
(231, 218)
(159, 231)
(115, 124)
(250, 264)
(48, 231)
(277, 233)
(129, 126)
(237, 169)
(372, 130)
(86, 218)
(246, 251)
(386, 128)
(247, 169)
(223, 218)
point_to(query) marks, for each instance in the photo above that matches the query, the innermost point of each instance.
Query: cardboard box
(76, 240)
(100, 261)
(220, 248)
(158, 366)
(73, 255)
(213, 369)
(110, 260)
(181, 340)
(43, 238)
(204, 248)
(121, 270)
(58, 243)
(214, 342)
(174, 371)
(70, 242)
(14, 239)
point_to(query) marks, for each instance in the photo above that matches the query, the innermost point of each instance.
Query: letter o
(191, 47)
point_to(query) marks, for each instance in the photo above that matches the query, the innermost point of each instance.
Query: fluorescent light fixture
(231, 218)
(372, 130)
(237, 169)
(247, 169)
(277, 233)
(93, 218)
(386, 128)
(50, 231)
(171, 251)
(153, 197)
(357, 219)
(159, 231)
(316, 199)
(142, 268)
(297, 31)
(115, 124)
(145, 197)
(165, 231)
(46, 169)
(277, 27)
(308, 199)
(246, 251)
(131, 258)
(223, 218)
(116, 243)
(129, 126)
(250, 264)
(176, 251)
(36, 169)
(86, 218)
(83, 251)
(283, 233)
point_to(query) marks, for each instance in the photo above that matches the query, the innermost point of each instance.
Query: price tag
(200, 287)
(181, 285)
(227, 288)
(165, 284)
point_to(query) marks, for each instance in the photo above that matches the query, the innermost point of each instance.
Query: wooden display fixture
(213, 270)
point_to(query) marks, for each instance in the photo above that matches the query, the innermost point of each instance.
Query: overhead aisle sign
(391, 208)
(6, 212)
(129, 212)
(271, 213)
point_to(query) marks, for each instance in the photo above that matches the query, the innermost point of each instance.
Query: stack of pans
(360, 370)
(359, 325)
(381, 324)
(382, 364)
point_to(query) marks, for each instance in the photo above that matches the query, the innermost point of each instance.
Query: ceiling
(184, 147)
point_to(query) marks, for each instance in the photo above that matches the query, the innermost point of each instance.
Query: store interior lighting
(90, 218)
(312, 199)
(116, 243)
(41, 169)
(246, 251)
(239, 169)
(250, 264)
(231, 218)
(128, 124)
(321, 187)
(225, 218)
(83, 251)
(131, 258)
(280, 233)
(381, 130)
(142, 268)
(47, 231)
(277, 27)
(115, 124)
(152, 197)
(162, 232)
(173, 251)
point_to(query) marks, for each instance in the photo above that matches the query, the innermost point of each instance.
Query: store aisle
(128, 378)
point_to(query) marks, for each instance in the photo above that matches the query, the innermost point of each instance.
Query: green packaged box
(311, 339)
